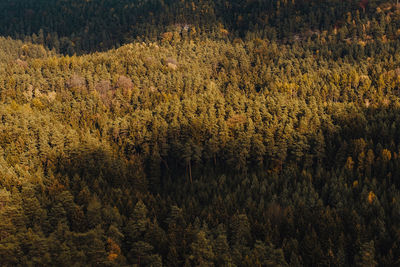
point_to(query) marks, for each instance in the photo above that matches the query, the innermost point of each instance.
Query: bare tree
(103, 87)
(76, 81)
(124, 82)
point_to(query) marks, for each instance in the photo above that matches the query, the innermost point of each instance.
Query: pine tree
(202, 253)
(366, 255)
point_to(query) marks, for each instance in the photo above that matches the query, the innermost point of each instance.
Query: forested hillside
(199, 133)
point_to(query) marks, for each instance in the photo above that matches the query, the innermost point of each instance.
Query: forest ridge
(199, 133)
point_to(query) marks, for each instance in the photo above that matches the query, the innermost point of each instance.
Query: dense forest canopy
(76, 26)
(199, 133)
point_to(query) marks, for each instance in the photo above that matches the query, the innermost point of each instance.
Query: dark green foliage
(224, 133)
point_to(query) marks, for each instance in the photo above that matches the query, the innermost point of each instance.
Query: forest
(200, 133)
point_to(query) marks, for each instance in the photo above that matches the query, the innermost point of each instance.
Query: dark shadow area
(298, 202)
(101, 171)
(97, 203)
(82, 27)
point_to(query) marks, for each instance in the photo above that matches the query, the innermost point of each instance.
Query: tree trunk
(190, 172)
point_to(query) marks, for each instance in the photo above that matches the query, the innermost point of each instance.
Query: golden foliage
(167, 36)
(236, 119)
(37, 103)
(371, 197)
(112, 256)
(349, 164)
(362, 43)
(224, 31)
(114, 249)
(386, 155)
